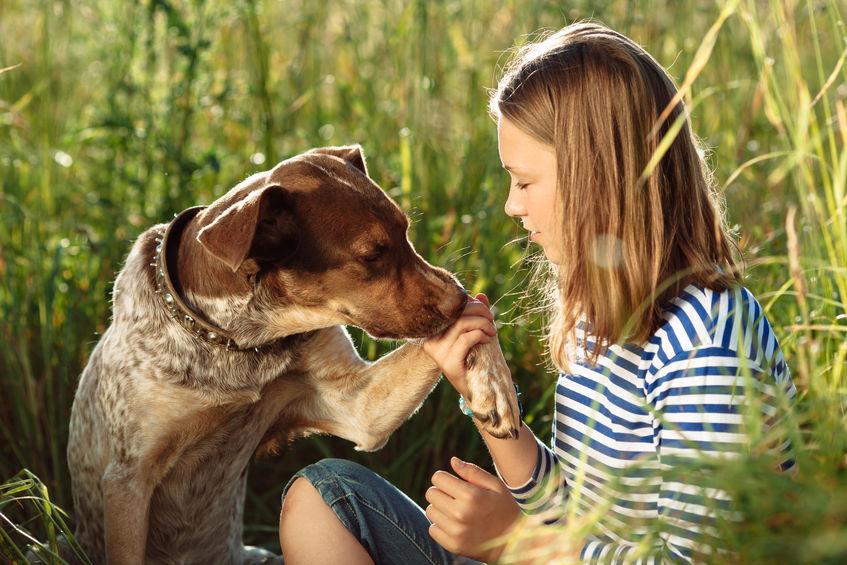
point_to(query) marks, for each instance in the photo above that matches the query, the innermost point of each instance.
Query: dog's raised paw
(491, 395)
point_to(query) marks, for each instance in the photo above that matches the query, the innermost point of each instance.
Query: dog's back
(88, 456)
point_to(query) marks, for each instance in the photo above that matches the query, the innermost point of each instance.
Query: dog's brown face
(323, 241)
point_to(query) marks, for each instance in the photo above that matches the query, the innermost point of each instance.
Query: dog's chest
(196, 502)
(223, 440)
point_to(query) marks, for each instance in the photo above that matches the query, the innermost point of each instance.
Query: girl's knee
(301, 494)
(306, 496)
(298, 507)
(310, 531)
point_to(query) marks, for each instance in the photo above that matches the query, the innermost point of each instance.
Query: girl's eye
(521, 185)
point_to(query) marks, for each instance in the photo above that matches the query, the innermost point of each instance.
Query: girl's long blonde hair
(631, 239)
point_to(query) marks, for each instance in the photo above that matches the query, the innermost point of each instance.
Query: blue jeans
(391, 528)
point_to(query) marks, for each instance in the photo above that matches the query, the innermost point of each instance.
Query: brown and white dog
(227, 337)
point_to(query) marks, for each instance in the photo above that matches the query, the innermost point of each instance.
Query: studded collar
(178, 310)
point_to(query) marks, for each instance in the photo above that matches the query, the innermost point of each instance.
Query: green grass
(25, 495)
(120, 114)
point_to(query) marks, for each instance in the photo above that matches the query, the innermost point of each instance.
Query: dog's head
(322, 244)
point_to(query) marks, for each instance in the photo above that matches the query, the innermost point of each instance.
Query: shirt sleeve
(545, 492)
(697, 401)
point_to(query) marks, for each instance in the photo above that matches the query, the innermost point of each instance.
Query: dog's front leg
(361, 401)
(126, 498)
(392, 389)
(397, 384)
(490, 392)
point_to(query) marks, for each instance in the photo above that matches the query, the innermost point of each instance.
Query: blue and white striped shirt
(621, 423)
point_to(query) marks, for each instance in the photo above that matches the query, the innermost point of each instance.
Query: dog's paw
(491, 394)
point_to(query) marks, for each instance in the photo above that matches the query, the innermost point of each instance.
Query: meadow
(116, 115)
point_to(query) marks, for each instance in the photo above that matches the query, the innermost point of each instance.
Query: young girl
(651, 329)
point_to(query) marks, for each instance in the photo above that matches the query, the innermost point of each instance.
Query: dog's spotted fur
(164, 425)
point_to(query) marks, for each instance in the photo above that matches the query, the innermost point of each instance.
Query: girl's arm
(516, 460)
(473, 507)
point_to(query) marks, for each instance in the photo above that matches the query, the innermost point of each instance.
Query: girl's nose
(514, 206)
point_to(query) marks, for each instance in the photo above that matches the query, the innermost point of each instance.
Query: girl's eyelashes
(521, 185)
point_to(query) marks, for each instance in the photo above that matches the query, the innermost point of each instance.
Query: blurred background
(116, 115)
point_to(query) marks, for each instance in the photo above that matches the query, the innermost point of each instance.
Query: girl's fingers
(441, 537)
(483, 324)
(477, 475)
(470, 323)
(468, 340)
(442, 520)
(477, 308)
(447, 340)
(484, 299)
(453, 486)
(439, 498)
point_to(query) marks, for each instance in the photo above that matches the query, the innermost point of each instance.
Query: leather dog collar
(176, 307)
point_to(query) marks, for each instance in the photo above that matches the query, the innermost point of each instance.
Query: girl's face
(532, 193)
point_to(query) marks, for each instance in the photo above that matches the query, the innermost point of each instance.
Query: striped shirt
(620, 425)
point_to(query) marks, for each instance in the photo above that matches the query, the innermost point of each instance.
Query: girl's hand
(469, 510)
(450, 348)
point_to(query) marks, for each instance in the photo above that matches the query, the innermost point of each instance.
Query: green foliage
(116, 115)
(24, 503)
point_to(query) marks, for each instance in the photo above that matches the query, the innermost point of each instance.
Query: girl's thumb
(475, 474)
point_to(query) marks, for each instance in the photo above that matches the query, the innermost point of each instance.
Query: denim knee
(342, 475)
(388, 524)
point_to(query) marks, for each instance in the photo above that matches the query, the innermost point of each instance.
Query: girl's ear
(253, 227)
(350, 153)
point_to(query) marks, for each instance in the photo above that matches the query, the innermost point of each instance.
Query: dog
(227, 339)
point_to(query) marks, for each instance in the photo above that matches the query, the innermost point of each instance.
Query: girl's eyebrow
(513, 169)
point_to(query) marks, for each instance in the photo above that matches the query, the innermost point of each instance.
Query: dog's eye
(374, 255)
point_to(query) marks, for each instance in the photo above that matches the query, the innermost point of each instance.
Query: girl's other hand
(450, 348)
(469, 510)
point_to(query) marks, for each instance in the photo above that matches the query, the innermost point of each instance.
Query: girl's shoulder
(702, 321)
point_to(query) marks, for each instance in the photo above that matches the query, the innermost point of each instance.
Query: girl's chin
(551, 256)
(554, 260)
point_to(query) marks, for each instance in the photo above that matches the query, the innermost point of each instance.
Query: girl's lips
(533, 235)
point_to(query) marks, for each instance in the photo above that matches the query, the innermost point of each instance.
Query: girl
(650, 328)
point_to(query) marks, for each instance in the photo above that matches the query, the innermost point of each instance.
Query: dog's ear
(257, 226)
(350, 153)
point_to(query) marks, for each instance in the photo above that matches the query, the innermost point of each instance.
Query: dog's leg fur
(127, 490)
(160, 421)
(361, 401)
(491, 396)
(126, 499)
